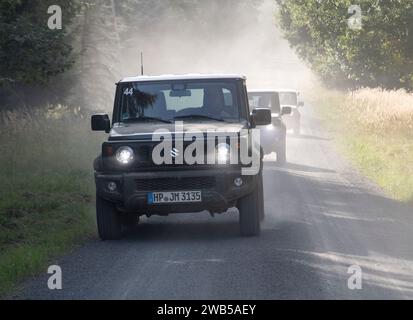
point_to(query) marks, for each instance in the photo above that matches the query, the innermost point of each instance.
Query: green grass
(385, 156)
(387, 161)
(46, 195)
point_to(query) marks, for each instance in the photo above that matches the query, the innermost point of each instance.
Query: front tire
(282, 154)
(108, 220)
(251, 211)
(297, 127)
(261, 199)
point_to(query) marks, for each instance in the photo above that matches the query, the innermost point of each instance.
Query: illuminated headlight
(124, 155)
(270, 127)
(223, 152)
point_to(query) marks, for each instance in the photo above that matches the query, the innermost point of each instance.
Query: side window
(228, 99)
(275, 103)
(254, 101)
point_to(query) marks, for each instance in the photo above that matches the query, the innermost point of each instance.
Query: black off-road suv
(179, 144)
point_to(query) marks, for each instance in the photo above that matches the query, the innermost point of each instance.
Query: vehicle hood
(145, 131)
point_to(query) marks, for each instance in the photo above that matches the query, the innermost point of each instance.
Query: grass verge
(375, 129)
(46, 192)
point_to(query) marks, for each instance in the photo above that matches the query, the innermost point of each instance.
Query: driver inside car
(215, 104)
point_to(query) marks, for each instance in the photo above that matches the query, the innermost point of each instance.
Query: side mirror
(261, 116)
(301, 104)
(101, 122)
(286, 111)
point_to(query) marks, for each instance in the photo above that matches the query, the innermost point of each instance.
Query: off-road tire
(297, 127)
(262, 200)
(250, 214)
(282, 154)
(109, 220)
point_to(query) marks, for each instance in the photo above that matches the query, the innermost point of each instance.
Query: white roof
(262, 91)
(271, 90)
(287, 90)
(190, 76)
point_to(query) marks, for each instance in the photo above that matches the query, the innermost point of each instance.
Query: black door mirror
(286, 111)
(261, 116)
(101, 122)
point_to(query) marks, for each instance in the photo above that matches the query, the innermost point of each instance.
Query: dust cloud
(245, 41)
(214, 36)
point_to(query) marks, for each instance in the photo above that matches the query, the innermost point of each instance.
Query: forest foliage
(30, 51)
(101, 39)
(351, 47)
(79, 64)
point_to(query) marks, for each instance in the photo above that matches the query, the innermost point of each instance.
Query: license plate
(174, 197)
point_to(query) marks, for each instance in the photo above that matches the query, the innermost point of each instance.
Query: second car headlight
(124, 155)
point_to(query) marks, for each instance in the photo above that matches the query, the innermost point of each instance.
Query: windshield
(288, 98)
(169, 101)
(264, 100)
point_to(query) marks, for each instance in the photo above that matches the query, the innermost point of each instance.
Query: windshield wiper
(147, 119)
(199, 116)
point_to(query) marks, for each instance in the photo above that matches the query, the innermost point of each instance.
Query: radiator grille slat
(165, 184)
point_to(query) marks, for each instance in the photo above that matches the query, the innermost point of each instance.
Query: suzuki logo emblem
(174, 153)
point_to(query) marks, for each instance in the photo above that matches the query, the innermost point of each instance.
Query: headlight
(270, 127)
(124, 155)
(223, 153)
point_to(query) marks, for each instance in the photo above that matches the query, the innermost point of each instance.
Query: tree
(380, 53)
(29, 51)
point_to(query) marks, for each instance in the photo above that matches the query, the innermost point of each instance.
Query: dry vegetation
(382, 110)
(376, 128)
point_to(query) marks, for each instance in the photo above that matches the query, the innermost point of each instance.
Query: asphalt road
(322, 218)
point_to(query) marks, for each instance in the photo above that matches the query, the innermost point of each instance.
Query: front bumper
(217, 185)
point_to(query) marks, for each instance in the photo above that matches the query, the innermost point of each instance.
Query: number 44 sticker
(128, 92)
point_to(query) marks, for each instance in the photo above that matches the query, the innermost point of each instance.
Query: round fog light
(238, 182)
(112, 186)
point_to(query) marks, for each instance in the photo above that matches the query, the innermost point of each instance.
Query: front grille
(171, 184)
